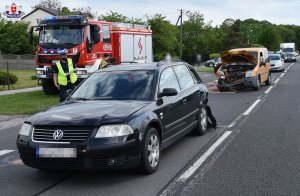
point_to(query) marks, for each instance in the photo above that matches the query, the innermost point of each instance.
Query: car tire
(256, 88)
(268, 81)
(202, 121)
(150, 152)
(211, 64)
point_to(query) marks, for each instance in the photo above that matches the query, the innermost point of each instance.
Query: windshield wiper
(79, 99)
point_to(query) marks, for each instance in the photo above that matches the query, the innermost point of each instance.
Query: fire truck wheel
(48, 87)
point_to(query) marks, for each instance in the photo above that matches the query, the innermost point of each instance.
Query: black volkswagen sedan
(120, 117)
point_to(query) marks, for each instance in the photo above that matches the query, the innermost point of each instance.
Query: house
(38, 14)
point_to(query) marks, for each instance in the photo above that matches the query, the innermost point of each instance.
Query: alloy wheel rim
(153, 150)
(203, 119)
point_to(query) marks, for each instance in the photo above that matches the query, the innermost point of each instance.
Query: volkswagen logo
(58, 134)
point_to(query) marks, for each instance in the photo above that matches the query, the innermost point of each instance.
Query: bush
(3, 78)
(214, 55)
(33, 77)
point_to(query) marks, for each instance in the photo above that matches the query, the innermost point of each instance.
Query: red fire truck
(87, 41)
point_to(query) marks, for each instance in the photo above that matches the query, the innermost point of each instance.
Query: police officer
(64, 75)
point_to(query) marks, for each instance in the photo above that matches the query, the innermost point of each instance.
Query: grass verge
(24, 79)
(205, 69)
(26, 103)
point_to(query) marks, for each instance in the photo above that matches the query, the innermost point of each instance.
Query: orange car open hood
(230, 57)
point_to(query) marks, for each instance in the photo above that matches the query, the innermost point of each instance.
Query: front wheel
(202, 122)
(256, 88)
(210, 64)
(150, 153)
(268, 81)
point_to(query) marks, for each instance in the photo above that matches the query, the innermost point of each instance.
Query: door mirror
(169, 92)
(263, 64)
(31, 36)
(96, 37)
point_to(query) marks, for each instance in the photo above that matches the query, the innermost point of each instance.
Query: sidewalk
(10, 92)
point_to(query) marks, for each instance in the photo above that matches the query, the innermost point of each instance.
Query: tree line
(199, 37)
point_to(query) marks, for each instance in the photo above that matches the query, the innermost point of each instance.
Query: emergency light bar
(62, 17)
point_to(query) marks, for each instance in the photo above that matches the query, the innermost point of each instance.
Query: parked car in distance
(277, 62)
(213, 62)
(119, 117)
(247, 67)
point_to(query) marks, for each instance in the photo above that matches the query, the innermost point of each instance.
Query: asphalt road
(225, 171)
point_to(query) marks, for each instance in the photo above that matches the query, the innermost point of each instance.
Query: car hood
(88, 113)
(230, 57)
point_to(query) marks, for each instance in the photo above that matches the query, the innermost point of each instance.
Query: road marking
(269, 89)
(3, 152)
(277, 80)
(251, 107)
(282, 75)
(189, 172)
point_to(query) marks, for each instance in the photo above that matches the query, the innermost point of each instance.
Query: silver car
(277, 62)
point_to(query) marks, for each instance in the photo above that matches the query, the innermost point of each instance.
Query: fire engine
(87, 41)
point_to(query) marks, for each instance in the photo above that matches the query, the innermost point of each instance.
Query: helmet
(63, 52)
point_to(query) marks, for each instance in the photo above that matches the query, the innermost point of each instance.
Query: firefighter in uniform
(105, 61)
(64, 75)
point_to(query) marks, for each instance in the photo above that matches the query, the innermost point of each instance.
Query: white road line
(251, 107)
(189, 172)
(277, 80)
(282, 75)
(269, 89)
(3, 152)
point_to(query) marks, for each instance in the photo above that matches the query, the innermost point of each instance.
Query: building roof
(48, 10)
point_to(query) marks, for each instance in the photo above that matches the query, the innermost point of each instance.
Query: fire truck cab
(87, 41)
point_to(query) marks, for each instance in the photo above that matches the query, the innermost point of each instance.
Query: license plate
(56, 152)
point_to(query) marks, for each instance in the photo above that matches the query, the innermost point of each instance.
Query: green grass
(24, 79)
(205, 69)
(26, 103)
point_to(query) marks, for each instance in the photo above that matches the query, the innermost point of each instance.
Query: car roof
(140, 66)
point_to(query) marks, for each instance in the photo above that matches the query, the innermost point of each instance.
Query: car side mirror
(263, 64)
(169, 92)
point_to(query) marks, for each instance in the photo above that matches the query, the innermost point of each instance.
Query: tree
(52, 4)
(14, 38)
(164, 37)
(113, 17)
(270, 38)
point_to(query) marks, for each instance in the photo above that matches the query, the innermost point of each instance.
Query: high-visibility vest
(62, 77)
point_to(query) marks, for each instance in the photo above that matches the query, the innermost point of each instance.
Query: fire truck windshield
(59, 35)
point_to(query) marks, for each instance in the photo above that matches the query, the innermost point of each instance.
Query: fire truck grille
(69, 135)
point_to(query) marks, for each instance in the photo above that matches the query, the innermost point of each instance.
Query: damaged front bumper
(224, 85)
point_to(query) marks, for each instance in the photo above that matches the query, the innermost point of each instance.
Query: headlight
(40, 72)
(113, 131)
(25, 129)
(248, 74)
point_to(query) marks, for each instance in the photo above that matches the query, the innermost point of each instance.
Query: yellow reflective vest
(62, 76)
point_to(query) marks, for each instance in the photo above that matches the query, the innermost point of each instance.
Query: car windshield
(274, 57)
(116, 85)
(61, 35)
(288, 50)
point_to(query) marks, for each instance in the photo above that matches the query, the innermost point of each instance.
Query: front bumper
(246, 82)
(90, 156)
(277, 68)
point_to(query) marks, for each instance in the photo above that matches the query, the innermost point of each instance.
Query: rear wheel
(48, 87)
(210, 64)
(150, 152)
(202, 122)
(268, 81)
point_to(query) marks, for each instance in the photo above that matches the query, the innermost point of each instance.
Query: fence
(17, 62)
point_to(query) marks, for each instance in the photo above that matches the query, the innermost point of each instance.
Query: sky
(274, 11)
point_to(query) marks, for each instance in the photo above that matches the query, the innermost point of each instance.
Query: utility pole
(180, 47)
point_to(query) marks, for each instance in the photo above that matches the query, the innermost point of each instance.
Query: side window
(195, 75)
(184, 76)
(168, 80)
(89, 37)
(106, 34)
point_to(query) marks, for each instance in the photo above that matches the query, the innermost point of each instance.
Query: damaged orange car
(248, 67)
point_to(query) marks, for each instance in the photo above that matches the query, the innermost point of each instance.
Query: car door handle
(184, 100)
